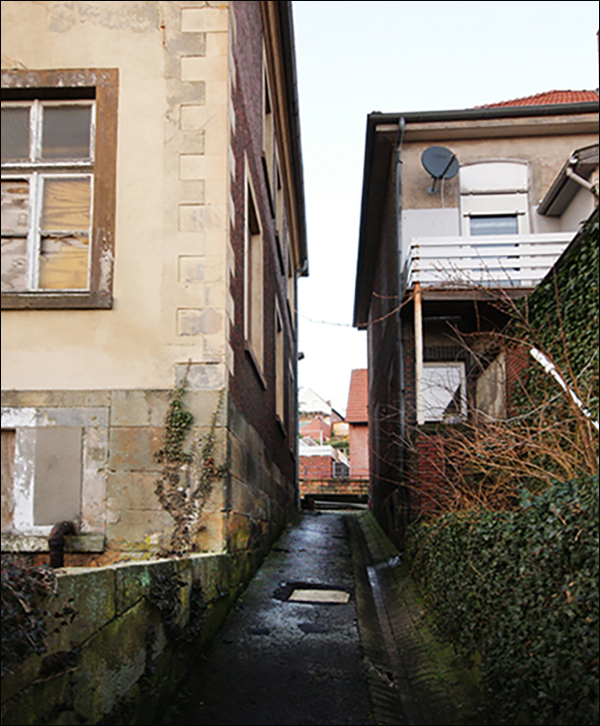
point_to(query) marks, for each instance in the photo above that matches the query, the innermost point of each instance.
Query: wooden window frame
(279, 367)
(254, 300)
(100, 85)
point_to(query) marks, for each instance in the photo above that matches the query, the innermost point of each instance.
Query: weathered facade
(491, 205)
(152, 234)
(357, 416)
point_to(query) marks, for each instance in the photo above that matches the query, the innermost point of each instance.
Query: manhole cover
(303, 592)
(335, 596)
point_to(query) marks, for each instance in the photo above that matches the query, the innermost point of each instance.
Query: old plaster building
(152, 232)
(457, 205)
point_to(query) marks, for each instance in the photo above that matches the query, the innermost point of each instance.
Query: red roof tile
(358, 397)
(548, 98)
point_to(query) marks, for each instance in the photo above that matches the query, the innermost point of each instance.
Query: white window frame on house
(56, 267)
(441, 381)
(39, 175)
(495, 190)
(28, 468)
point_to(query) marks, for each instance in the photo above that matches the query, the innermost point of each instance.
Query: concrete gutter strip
(430, 683)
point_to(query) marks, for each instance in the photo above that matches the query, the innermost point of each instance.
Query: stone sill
(39, 543)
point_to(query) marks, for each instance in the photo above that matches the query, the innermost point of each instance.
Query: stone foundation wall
(123, 647)
(112, 499)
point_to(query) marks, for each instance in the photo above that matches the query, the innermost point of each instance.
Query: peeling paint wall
(97, 383)
(171, 212)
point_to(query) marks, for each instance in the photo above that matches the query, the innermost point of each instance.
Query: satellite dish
(441, 163)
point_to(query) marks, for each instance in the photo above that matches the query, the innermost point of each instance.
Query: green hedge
(563, 314)
(520, 590)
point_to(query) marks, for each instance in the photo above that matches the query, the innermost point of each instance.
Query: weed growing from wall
(188, 472)
(27, 597)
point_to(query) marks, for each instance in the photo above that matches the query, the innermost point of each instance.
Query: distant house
(357, 417)
(316, 429)
(152, 233)
(456, 206)
(321, 461)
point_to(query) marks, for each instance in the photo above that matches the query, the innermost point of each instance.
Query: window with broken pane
(59, 148)
(444, 392)
(47, 160)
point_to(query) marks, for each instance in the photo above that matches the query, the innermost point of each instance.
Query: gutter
(286, 28)
(471, 114)
(574, 174)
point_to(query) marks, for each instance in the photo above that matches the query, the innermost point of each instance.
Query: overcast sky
(358, 57)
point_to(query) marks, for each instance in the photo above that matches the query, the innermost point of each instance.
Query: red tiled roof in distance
(358, 397)
(548, 98)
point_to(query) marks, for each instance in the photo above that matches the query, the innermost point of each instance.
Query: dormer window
(494, 198)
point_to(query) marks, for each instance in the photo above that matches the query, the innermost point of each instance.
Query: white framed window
(493, 224)
(58, 188)
(47, 192)
(42, 481)
(444, 392)
(494, 197)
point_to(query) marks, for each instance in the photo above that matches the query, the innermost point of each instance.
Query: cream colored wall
(171, 212)
(547, 155)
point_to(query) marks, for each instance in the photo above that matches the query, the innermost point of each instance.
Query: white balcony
(506, 261)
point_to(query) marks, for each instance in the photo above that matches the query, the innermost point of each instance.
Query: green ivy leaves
(521, 589)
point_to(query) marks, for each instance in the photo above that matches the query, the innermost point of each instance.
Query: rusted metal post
(56, 542)
(418, 322)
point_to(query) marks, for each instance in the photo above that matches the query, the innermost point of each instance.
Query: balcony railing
(507, 261)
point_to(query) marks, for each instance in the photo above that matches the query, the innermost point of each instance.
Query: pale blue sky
(358, 57)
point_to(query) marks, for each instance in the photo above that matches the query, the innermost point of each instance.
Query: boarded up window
(57, 487)
(59, 136)
(64, 257)
(15, 228)
(8, 462)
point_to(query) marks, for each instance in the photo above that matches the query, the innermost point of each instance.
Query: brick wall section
(255, 395)
(517, 361)
(316, 467)
(428, 471)
(359, 451)
(325, 486)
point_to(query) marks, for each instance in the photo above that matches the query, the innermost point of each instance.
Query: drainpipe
(579, 179)
(56, 542)
(401, 372)
(401, 407)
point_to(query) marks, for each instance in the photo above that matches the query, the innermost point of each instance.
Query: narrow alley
(321, 637)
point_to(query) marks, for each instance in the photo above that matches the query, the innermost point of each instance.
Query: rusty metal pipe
(56, 542)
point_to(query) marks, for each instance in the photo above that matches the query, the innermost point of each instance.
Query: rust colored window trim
(103, 86)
